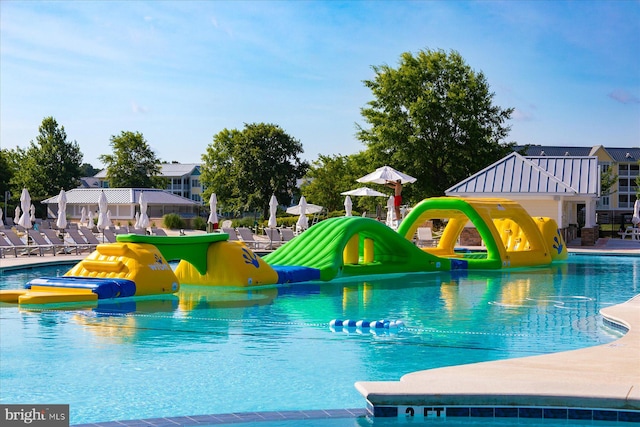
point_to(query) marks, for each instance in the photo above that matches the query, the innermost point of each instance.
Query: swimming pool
(220, 351)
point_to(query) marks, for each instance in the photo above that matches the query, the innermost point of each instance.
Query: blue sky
(180, 72)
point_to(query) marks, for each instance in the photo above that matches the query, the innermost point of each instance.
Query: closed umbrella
(16, 216)
(61, 222)
(303, 222)
(32, 213)
(136, 223)
(390, 209)
(384, 174)
(25, 205)
(348, 206)
(273, 209)
(213, 207)
(103, 220)
(143, 221)
(1, 220)
(90, 219)
(83, 215)
(636, 213)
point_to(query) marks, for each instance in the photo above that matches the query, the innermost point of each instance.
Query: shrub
(172, 221)
(199, 223)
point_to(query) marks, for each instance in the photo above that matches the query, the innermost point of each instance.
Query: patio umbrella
(1, 220)
(16, 216)
(303, 222)
(90, 219)
(32, 213)
(103, 220)
(136, 223)
(143, 221)
(61, 222)
(213, 207)
(363, 191)
(384, 174)
(636, 213)
(273, 209)
(348, 205)
(25, 204)
(310, 208)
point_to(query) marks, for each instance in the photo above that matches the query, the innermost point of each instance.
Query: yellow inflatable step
(48, 295)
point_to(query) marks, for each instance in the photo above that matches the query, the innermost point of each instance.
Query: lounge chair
(81, 243)
(6, 246)
(158, 232)
(424, 237)
(274, 237)
(41, 243)
(246, 235)
(286, 234)
(109, 235)
(17, 242)
(53, 237)
(231, 232)
(89, 236)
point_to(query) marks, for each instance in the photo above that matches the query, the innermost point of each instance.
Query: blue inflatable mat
(104, 288)
(294, 274)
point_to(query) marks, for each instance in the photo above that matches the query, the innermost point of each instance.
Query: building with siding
(183, 179)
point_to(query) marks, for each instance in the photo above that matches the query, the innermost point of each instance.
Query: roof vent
(542, 153)
(566, 153)
(629, 156)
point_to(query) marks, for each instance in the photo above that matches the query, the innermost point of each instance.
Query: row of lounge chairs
(48, 240)
(276, 237)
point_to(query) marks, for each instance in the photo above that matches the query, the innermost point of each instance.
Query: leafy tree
(607, 181)
(6, 172)
(433, 118)
(331, 175)
(244, 168)
(48, 164)
(88, 170)
(133, 163)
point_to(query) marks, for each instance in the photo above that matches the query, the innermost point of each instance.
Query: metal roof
(122, 196)
(539, 150)
(167, 170)
(534, 175)
(624, 155)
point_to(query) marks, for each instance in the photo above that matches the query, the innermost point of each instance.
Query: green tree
(49, 164)
(433, 118)
(607, 181)
(133, 163)
(331, 175)
(244, 168)
(6, 172)
(88, 170)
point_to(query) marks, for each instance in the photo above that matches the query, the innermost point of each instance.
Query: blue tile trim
(524, 412)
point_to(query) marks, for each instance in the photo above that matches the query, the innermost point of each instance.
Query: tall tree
(48, 164)
(433, 117)
(244, 168)
(331, 175)
(133, 163)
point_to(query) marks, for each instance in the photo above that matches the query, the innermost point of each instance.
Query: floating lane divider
(375, 326)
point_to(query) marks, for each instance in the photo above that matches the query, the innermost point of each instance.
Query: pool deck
(604, 378)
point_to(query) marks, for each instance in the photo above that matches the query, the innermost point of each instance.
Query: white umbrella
(348, 205)
(136, 223)
(16, 216)
(61, 222)
(310, 209)
(390, 211)
(364, 191)
(1, 220)
(25, 204)
(143, 222)
(384, 174)
(32, 211)
(83, 215)
(103, 220)
(273, 209)
(90, 219)
(213, 207)
(303, 222)
(636, 213)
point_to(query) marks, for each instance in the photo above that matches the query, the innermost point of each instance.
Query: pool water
(214, 350)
